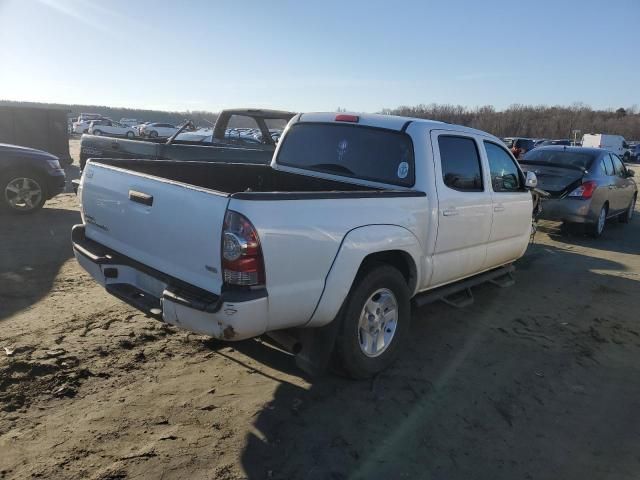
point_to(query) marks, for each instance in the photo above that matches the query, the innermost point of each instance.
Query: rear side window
(617, 165)
(609, 165)
(367, 153)
(505, 176)
(460, 163)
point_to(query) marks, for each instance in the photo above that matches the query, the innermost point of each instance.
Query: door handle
(449, 212)
(141, 197)
(498, 208)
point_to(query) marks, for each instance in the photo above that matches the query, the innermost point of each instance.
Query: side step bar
(459, 294)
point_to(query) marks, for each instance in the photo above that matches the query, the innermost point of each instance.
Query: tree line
(199, 117)
(534, 121)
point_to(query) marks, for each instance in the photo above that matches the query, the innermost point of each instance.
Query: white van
(613, 143)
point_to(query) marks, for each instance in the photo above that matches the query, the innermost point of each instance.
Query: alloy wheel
(378, 322)
(23, 194)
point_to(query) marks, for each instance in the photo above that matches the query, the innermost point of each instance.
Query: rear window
(367, 153)
(558, 157)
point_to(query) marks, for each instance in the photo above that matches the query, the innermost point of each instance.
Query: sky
(320, 55)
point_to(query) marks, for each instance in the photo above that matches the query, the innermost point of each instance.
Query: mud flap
(317, 348)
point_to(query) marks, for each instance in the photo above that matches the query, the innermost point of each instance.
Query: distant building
(43, 128)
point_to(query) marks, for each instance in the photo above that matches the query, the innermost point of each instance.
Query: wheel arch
(362, 247)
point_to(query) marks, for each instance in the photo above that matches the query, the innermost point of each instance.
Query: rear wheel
(598, 227)
(153, 134)
(374, 322)
(130, 135)
(22, 192)
(627, 215)
(97, 132)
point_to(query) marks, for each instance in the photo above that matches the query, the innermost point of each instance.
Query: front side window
(505, 176)
(460, 163)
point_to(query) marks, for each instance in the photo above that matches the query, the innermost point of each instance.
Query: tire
(97, 133)
(627, 215)
(378, 287)
(153, 134)
(18, 197)
(596, 229)
(130, 135)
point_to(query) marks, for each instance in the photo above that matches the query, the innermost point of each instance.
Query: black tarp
(42, 128)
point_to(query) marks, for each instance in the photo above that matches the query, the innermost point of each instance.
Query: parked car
(83, 117)
(612, 143)
(129, 122)
(560, 141)
(519, 146)
(28, 178)
(356, 215)
(154, 130)
(216, 146)
(587, 185)
(83, 125)
(634, 155)
(111, 128)
(538, 142)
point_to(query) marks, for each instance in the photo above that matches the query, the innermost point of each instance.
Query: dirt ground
(537, 381)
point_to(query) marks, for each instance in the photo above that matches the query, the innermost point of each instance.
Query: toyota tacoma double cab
(324, 248)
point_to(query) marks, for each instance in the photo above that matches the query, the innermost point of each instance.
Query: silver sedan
(587, 185)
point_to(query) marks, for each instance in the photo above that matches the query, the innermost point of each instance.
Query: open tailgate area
(171, 227)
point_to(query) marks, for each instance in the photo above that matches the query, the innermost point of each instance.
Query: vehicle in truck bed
(324, 248)
(218, 148)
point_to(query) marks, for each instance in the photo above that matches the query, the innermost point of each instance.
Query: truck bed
(243, 180)
(92, 146)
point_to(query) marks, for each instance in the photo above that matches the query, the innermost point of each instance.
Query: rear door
(464, 207)
(512, 206)
(172, 227)
(623, 191)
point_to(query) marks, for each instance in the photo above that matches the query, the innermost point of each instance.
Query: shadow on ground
(529, 382)
(32, 250)
(617, 236)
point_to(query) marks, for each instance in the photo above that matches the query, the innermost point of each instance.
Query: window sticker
(342, 149)
(403, 170)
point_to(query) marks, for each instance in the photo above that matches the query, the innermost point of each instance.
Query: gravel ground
(539, 380)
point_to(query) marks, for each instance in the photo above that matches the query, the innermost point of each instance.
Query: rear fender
(357, 245)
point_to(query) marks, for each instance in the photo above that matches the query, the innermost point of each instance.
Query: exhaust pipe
(287, 341)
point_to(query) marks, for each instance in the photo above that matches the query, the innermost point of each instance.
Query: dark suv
(519, 146)
(28, 178)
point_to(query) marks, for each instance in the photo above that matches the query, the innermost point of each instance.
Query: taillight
(242, 261)
(585, 190)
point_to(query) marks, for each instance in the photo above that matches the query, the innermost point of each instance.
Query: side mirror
(531, 181)
(630, 173)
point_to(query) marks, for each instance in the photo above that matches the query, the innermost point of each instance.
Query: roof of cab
(391, 122)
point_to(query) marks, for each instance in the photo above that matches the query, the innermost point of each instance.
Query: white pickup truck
(355, 216)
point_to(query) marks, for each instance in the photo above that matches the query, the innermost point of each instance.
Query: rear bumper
(568, 210)
(229, 316)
